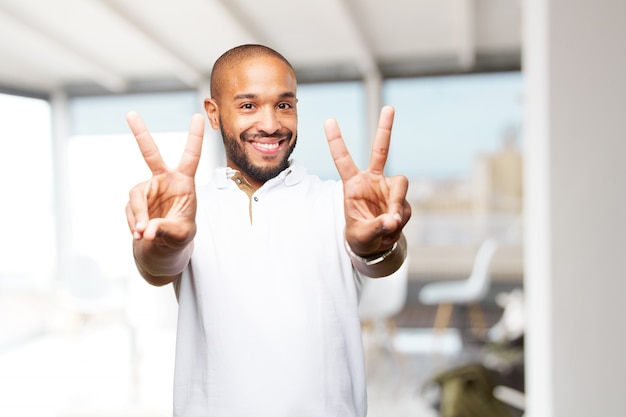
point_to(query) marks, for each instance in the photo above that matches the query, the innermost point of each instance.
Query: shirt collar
(291, 175)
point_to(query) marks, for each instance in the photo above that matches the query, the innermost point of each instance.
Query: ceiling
(117, 46)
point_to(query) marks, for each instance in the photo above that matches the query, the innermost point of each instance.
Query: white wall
(575, 69)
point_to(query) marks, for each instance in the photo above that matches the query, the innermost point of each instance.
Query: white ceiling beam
(185, 71)
(366, 60)
(101, 74)
(245, 25)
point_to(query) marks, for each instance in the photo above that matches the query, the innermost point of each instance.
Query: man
(266, 260)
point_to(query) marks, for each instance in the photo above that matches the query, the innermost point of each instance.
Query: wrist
(158, 261)
(372, 259)
(381, 264)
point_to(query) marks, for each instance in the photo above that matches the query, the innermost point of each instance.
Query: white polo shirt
(268, 308)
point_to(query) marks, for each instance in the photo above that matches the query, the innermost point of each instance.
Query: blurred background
(81, 334)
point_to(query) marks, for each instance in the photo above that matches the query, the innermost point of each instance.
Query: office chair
(470, 291)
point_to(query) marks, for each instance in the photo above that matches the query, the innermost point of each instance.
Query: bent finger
(398, 188)
(172, 232)
(130, 218)
(138, 208)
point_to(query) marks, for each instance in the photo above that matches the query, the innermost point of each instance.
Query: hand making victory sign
(376, 208)
(161, 211)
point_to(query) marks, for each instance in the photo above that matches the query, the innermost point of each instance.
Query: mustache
(286, 135)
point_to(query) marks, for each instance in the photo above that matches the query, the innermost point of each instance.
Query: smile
(268, 146)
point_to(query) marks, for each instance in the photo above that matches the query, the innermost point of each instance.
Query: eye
(284, 106)
(247, 106)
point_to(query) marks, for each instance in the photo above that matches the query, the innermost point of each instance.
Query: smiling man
(266, 260)
(264, 121)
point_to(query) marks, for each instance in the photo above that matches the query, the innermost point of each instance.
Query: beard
(236, 153)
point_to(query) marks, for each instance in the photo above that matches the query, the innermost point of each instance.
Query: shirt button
(256, 198)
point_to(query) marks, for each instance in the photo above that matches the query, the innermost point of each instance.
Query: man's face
(257, 115)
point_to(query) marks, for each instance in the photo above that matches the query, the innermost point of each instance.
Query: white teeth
(267, 145)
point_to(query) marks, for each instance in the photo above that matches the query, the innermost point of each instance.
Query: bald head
(234, 57)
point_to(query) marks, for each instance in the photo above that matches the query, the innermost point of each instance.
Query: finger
(148, 148)
(406, 213)
(394, 219)
(173, 232)
(391, 237)
(341, 156)
(130, 218)
(138, 209)
(153, 228)
(397, 197)
(380, 147)
(191, 156)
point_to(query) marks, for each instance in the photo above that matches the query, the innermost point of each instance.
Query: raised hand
(162, 210)
(376, 208)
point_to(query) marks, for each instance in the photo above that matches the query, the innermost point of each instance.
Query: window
(105, 162)
(318, 102)
(27, 247)
(442, 123)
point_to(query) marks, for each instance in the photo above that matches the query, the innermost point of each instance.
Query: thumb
(174, 233)
(390, 222)
(152, 228)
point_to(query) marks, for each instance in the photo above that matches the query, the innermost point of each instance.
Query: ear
(213, 112)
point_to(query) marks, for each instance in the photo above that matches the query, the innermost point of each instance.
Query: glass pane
(443, 123)
(318, 102)
(162, 112)
(459, 141)
(103, 169)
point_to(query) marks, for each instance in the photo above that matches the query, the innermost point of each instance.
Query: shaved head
(234, 57)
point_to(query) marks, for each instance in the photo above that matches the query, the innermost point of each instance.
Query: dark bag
(467, 391)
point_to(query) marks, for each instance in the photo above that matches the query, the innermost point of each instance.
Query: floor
(87, 369)
(400, 383)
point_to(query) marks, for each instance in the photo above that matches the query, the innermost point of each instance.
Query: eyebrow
(249, 96)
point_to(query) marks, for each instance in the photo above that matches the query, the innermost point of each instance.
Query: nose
(268, 121)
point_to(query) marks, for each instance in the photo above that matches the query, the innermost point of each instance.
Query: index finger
(191, 156)
(148, 147)
(339, 151)
(382, 139)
